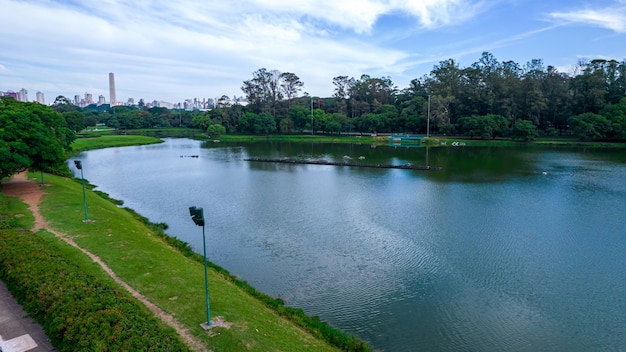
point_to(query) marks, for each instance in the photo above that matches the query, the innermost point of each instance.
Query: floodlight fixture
(79, 166)
(197, 215)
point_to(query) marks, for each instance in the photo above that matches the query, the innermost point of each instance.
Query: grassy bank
(433, 141)
(301, 138)
(172, 281)
(109, 140)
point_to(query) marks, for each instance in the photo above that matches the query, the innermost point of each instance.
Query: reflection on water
(503, 250)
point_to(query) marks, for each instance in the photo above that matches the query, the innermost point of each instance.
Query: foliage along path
(31, 193)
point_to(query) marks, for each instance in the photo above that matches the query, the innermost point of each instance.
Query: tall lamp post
(428, 120)
(312, 130)
(197, 215)
(79, 166)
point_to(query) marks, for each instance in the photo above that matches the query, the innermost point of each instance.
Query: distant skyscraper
(100, 99)
(77, 100)
(22, 95)
(40, 98)
(88, 99)
(112, 89)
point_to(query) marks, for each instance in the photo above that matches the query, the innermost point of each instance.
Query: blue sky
(176, 49)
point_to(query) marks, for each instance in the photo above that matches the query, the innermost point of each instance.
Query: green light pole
(197, 215)
(79, 166)
(428, 119)
(312, 130)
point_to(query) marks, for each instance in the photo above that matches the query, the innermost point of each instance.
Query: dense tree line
(31, 136)
(488, 99)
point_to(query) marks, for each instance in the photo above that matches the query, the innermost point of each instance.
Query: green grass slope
(172, 281)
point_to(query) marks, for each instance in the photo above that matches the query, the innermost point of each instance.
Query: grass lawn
(170, 280)
(104, 141)
(306, 138)
(11, 205)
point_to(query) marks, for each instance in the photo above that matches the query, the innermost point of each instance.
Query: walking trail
(30, 192)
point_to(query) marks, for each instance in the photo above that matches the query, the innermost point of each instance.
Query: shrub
(7, 220)
(216, 130)
(76, 310)
(524, 130)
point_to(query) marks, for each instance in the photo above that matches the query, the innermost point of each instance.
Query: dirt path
(31, 192)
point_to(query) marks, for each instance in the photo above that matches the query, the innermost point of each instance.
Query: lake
(504, 249)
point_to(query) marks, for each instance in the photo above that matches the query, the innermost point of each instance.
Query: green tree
(286, 125)
(216, 130)
(258, 124)
(616, 115)
(201, 121)
(113, 123)
(340, 122)
(487, 127)
(367, 94)
(444, 84)
(31, 136)
(300, 116)
(62, 100)
(267, 89)
(75, 120)
(343, 88)
(290, 85)
(590, 126)
(524, 130)
(558, 105)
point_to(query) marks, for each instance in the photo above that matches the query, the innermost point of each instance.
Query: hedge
(77, 311)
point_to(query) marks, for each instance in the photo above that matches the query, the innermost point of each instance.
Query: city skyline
(171, 52)
(87, 99)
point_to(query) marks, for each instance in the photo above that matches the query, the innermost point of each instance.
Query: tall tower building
(40, 98)
(112, 99)
(22, 95)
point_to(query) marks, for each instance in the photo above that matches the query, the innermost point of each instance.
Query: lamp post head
(197, 215)
(78, 164)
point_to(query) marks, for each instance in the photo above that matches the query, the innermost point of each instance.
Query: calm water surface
(504, 250)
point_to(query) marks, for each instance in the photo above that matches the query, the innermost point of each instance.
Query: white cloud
(613, 17)
(437, 13)
(361, 15)
(183, 47)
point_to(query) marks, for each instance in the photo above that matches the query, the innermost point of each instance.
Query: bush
(77, 311)
(216, 130)
(524, 130)
(7, 220)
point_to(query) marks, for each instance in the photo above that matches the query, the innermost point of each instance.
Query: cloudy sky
(176, 49)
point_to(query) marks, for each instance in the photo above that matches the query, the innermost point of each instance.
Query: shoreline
(317, 328)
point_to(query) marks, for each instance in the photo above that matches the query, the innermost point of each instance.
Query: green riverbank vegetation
(163, 269)
(110, 140)
(489, 99)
